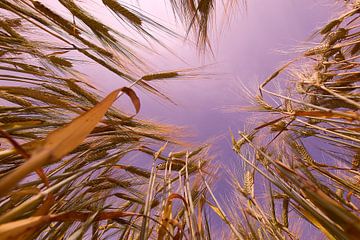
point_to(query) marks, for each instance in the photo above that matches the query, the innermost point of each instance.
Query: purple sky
(246, 51)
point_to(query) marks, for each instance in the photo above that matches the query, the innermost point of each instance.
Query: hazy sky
(247, 49)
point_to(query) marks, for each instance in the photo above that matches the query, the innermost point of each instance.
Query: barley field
(85, 152)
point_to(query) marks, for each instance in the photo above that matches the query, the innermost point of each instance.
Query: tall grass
(301, 164)
(65, 158)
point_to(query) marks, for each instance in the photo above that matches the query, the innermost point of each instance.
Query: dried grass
(308, 156)
(75, 141)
